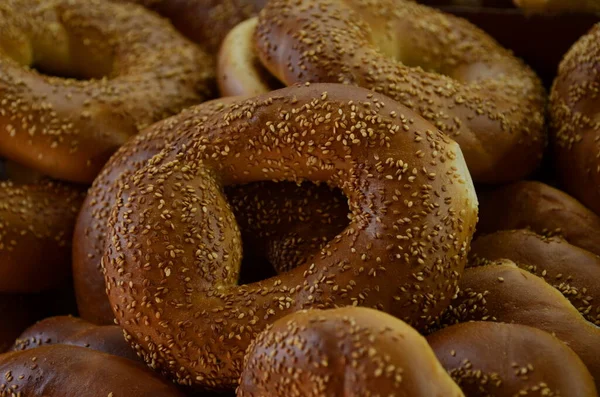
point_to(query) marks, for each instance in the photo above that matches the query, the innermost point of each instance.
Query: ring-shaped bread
(173, 254)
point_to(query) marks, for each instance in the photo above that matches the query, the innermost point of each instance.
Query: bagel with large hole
(127, 68)
(441, 66)
(172, 258)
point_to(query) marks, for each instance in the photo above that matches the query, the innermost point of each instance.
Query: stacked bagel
(292, 198)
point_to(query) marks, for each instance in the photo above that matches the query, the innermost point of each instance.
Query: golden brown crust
(68, 128)
(505, 293)
(541, 208)
(413, 205)
(573, 271)
(36, 229)
(344, 352)
(471, 88)
(69, 371)
(505, 360)
(575, 120)
(91, 227)
(67, 330)
(206, 22)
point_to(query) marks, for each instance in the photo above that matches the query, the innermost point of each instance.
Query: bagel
(279, 221)
(67, 330)
(541, 208)
(73, 371)
(171, 269)
(505, 293)
(133, 69)
(506, 360)
(91, 226)
(573, 271)
(351, 351)
(206, 22)
(36, 229)
(441, 66)
(575, 120)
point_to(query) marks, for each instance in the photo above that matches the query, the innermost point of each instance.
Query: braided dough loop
(504, 293)
(172, 259)
(506, 360)
(465, 83)
(141, 71)
(575, 120)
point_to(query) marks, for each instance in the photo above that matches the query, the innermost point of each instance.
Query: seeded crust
(506, 360)
(91, 228)
(74, 371)
(575, 120)
(540, 208)
(558, 6)
(174, 249)
(504, 293)
(345, 352)
(206, 22)
(67, 330)
(36, 229)
(138, 70)
(441, 66)
(283, 222)
(573, 271)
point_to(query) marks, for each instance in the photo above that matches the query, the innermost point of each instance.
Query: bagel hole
(283, 224)
(70, 54)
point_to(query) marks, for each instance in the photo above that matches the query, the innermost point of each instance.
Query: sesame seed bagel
(279, 221)
(91, 227)
(541, 208)
(575, 272)
(67, 330)
(36, 229)
(73, 371)
(575, 120)
(504, 293)
(133, 69)
(173, 253)
(206, 22)
(506, 360)
(351, 351)
(441, 66)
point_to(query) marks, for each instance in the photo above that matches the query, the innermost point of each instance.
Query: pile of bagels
(294, 198)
